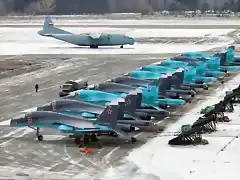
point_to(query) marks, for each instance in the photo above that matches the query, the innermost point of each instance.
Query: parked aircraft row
(124, 104)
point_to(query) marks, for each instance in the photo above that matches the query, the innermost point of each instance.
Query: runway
(57, 156)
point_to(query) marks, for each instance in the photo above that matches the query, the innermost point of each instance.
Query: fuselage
(89, 40)
(61, 122)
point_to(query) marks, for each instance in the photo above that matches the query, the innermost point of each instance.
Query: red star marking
(109, 111)
(29, 120)
(54, 108)
(128, 101)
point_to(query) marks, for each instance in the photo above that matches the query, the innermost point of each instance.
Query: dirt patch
(14, 67)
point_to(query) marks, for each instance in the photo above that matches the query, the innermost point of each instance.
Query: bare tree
(2, 8)
(41, 6)
(47, 6)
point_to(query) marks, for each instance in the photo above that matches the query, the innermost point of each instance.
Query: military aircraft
(92, 40)
(153, 91)
(135, 105)
(104, 93)
(79, 127)
(92, 111)
(169, 92)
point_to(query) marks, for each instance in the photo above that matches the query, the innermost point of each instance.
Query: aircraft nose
(41, 32)
(13, 122)
(16, 121)
(132, 40)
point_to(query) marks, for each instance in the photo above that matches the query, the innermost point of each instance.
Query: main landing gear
(85, 139)
(39, 136)
(94, 46)
(133, 139)
(121, 46)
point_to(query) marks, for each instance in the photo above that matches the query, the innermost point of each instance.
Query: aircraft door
(109, 39)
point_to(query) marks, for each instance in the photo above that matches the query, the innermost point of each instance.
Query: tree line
(36, 7)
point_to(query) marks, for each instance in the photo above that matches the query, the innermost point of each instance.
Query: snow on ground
(219, 160)
(134, 32)
(26, 41)
(84, 22)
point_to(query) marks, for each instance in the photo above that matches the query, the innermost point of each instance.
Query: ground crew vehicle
(71, 86)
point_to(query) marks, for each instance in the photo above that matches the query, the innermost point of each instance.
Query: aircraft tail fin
(131, 102)
(178, 78)
(230, 54)
(109, 116)
(48, 23)
(139, 98)
(223, 57)
(49, 28)
(163, 84)
(121, 108)
(169, 81)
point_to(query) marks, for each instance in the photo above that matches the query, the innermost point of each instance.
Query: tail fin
(169, 81)
(121, 108)
(178, 77)
(163, 85)
(49, 28)
(109, 116)
(190, 73)
(131, 102)
(230, 54)
(48, 23)
(223, 58)
(139, 98)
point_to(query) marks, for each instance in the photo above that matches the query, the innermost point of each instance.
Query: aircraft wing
(94, 36)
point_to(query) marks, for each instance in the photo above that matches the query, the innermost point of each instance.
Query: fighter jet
(92, 40)
(79, 127)
(92, 111)
(99, 97)
(133, 100)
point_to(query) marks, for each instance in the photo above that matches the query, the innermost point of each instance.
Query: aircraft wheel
(86, 140)
(40, 137)
(77, 141)
(133, 140)
(163, 105)
(94, 138)
(121, 46)
(113, 134)
(205, 87)
(94, 46)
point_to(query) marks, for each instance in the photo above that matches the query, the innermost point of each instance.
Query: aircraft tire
(133, 140)
(94, 138)
(40, 137)
(113, 134)
(86, 140)
(77, 141)
(205, 87)
(121, 46)
(94, 46)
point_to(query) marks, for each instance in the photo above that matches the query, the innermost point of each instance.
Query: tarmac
(19, 147)
(57, 155)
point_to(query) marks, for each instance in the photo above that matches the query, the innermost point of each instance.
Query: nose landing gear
(39, 136)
